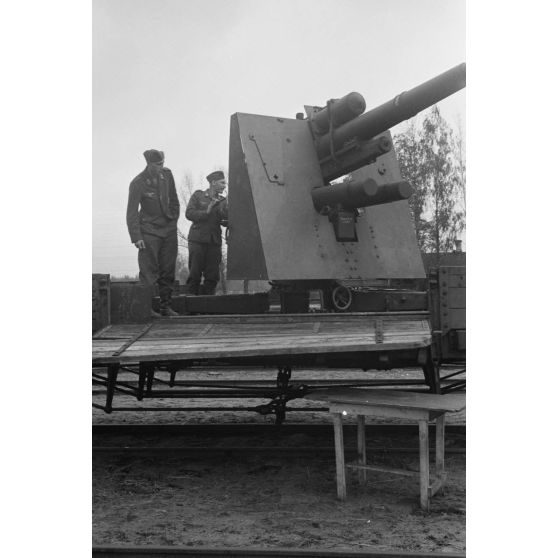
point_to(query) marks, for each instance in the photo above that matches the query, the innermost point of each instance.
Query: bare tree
(185, 190)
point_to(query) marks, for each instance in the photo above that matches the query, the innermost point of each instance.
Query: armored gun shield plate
(275, 233)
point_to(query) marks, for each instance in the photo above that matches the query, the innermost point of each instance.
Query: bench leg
(361, 447)
(424, 465)
(339, 455)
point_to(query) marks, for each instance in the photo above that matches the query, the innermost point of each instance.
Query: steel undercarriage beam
(278, 392)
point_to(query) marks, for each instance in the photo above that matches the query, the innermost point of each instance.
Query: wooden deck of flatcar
(267, 335)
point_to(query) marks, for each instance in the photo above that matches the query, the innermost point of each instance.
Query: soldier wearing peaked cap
(152, 214)
(208, 212)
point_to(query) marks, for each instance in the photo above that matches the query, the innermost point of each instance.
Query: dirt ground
(272, 500)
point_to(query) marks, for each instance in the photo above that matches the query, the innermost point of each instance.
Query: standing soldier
(152, 228)
(208, 212)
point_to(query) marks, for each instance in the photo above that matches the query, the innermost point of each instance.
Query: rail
(113, 551)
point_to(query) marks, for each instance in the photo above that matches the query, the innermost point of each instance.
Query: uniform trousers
(157, 264)
(203, 260)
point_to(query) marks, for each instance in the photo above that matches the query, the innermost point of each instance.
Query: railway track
(205, 450)
(245, 429)
(188, 552)
(196, 440)
(215, 430)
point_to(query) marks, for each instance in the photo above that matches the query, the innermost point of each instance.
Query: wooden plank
(283, 346)
(132, 340)
(262, 329)
(292, 318)
(259, 334)
(391, 398)
(104, 355)
(206, 330)
(122, 331)
(269, 324)
(309, 328)
(363, 343)
(100, 333)
(240, 334)
(378, 411)
(392, 470)
(272, 325)
(339, 456)
(263, 338)
(361, 448)
(216, 353)
(106, 343)
(185, 330)
(270, 342)
(424, 465)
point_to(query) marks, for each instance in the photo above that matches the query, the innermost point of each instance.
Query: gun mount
(341, 202)
(288, 223)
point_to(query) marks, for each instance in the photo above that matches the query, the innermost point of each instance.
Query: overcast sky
(168, 74)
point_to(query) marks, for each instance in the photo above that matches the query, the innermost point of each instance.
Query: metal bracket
(272, 176)
(283, 377)
(278, 405)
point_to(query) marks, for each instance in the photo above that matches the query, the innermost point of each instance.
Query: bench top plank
(391, 398)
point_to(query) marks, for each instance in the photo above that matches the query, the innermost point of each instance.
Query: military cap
(154, 156)
(215, 175)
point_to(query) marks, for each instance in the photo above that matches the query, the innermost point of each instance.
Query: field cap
(154, 156)
(216, 175)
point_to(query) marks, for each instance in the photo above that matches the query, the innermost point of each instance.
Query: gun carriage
(317, 203)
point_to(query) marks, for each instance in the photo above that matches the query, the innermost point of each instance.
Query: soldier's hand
(211, 205)
(140, 244)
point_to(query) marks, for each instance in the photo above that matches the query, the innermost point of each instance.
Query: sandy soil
(272, 500)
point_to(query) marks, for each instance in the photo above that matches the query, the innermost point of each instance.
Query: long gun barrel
(387, 115)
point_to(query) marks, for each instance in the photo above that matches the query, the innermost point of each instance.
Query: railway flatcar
(318, 210)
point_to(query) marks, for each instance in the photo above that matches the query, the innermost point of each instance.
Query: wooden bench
(379, 403)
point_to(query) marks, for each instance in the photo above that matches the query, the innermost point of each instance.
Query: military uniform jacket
(158, 204)
(205, 228)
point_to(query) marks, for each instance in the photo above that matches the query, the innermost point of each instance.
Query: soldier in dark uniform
(152, 227)
(208, 212)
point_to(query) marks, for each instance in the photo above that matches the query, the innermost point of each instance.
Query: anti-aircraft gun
(291, 224)
(294, 224)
